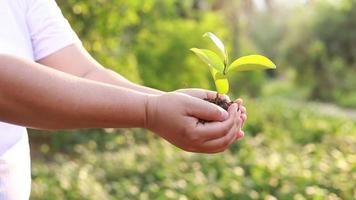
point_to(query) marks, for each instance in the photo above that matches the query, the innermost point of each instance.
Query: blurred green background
(300, 138)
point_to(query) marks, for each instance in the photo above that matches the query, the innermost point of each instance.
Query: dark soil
(220, 102)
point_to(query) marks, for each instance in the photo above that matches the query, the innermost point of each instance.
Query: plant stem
(225, 64)
(217, 97)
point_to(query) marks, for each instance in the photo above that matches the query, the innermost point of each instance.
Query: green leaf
(216, 67)
(218, 43)
(220, 46)
(220, 80)
(251, 62)
(210, 58)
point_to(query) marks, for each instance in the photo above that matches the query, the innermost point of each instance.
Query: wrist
(149, 107)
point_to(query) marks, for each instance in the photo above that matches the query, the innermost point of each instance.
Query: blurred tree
(127, 37)
(322, 47)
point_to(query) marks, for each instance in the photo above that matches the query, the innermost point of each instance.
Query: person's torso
(14, 40)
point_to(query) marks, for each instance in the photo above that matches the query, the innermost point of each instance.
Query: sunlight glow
(261, 4)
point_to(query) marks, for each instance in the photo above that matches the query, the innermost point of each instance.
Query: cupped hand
(175, 116)
(208, 94)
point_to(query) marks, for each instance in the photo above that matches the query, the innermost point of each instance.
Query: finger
(206, 111)
(198, 93)
(243, 117)
(240, 135)
(213, 95)
(234, 119)
(238, 128)
(239, 101)
(222, 143)
(243, 109)
(214, 130)
(224, 97)
(239, 123)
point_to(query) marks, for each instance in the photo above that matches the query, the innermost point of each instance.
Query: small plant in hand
(221, 68)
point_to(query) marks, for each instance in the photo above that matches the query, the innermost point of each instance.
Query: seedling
(220, 67)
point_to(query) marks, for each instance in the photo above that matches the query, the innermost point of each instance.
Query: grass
(291, 151)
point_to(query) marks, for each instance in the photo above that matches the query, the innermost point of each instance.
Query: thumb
(206, 111)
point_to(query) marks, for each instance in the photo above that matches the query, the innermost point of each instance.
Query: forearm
(36, 96)
(75, 60)
(111, 77)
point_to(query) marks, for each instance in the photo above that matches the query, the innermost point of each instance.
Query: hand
(202, 94)
(174, 116)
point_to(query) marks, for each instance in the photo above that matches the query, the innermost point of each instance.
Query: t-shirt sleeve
(48, 29)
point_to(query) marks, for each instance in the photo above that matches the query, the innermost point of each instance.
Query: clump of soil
(220, 102)
(223, 103)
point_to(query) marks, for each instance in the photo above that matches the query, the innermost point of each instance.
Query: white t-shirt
(30, 29)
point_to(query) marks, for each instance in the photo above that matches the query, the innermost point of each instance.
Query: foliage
(141, 39)
(220, 68)
(291, 151)
(320, 47)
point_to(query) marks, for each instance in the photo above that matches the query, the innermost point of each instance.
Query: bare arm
(75, 60)
(36, 96)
